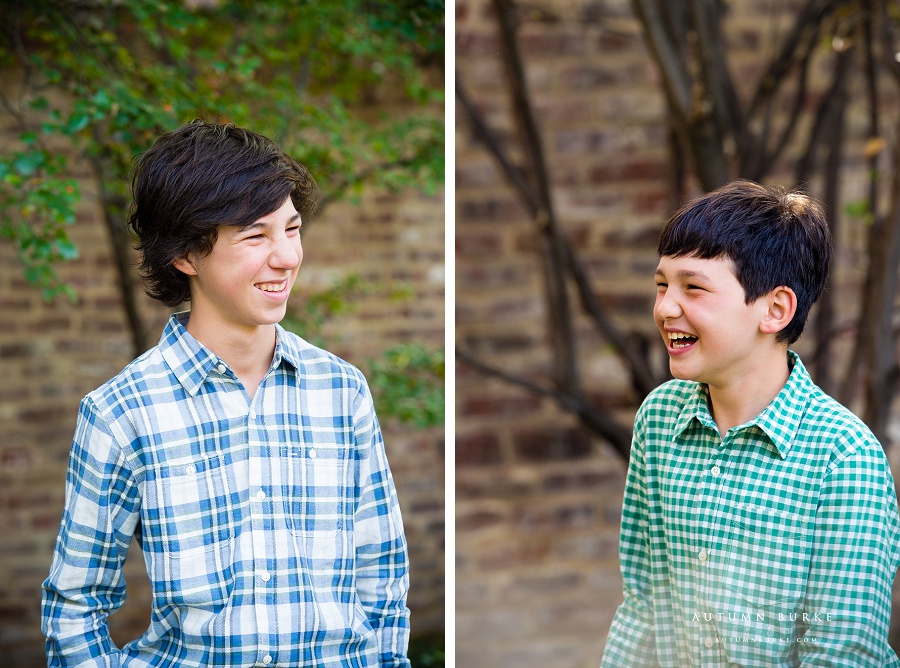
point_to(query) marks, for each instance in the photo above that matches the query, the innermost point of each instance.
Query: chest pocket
(196, 504)
(317, 490)
(199, 514)
(766, 555)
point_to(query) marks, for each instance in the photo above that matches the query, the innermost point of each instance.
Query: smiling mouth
(272, 287)
(680, 340)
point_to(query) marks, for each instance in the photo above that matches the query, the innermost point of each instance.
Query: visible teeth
(680, 339)
(272, 287)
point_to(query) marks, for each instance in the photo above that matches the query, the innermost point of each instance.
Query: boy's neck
(248, 352)
(746, 395)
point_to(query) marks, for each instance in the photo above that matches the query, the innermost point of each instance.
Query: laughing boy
(248, 463)
(760, 523)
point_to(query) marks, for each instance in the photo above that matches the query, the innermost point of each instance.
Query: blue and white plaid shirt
(270, 527)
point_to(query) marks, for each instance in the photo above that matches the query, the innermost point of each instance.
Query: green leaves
(407, 383)
(37, 203)
(308, 74)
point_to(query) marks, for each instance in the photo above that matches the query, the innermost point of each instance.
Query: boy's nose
(287, 254)
(667, 307)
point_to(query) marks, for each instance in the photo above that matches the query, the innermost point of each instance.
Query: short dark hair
(198, 177)
(774, 237)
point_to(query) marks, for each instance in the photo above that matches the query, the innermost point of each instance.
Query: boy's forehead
(691, 265)
(284, 215)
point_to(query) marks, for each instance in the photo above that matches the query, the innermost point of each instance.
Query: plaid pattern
(270, 529)
(775, 546)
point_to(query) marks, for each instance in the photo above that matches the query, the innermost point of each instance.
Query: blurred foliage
(408, 384)
(308, 74)
(407, 381)
(308, 314)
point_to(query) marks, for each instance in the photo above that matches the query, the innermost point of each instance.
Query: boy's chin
(682, 373)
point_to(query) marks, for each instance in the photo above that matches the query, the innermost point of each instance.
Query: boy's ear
(782, 305)
(185, 266)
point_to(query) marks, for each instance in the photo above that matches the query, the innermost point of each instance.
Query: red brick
(638, 170)
(523, 405)
(478, 449)
(606, 482)
(478, 520)
(502, 343)
(496, 210)
(645, 237)
(547, 518)
(550, 444)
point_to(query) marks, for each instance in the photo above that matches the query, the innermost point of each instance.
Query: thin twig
(489, 139)
(560, 318)
(618, 436)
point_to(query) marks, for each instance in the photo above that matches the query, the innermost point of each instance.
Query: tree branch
(489, 139)
(719, 87)
(558, 304)
(676, 80)
(601, 423)
(642, 378)
(886, 32)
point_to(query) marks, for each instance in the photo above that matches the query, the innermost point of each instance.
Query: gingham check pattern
(270, 528)
(775, 546)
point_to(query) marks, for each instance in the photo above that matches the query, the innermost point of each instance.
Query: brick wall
(538, 499)
(53, 354)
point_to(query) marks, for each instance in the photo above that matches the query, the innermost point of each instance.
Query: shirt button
(702, 555)
(252, 414)
(260, 495)
(190, 469)
(221, 368)
(709, 642)
(715, 470)
(312, 453)
(265, 576)
(267, 659)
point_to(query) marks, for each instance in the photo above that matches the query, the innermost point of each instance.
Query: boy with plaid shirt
(248, 463)
(760, 523)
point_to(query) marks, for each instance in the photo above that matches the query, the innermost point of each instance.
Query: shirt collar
(779, 421)
(192, 362)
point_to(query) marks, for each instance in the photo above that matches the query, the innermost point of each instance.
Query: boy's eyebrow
(257, 224)
(686, 274)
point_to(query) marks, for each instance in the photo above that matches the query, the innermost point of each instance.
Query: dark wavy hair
(773, 236)
(198, 177)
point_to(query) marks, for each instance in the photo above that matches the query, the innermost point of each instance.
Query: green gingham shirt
(773, 546)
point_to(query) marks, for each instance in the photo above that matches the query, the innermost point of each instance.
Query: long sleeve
(86, 583)
(856, 549)
(631, 640)
(381, 556)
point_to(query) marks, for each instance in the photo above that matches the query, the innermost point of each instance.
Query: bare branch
(676, 80)
(766, 159)
(119, 244)
(880, 355)
(599, 422)
(489, 139)
(829, 122)
(886, 31)
(719, 87)
(641, 377)
(809, 19)
(558, 305)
